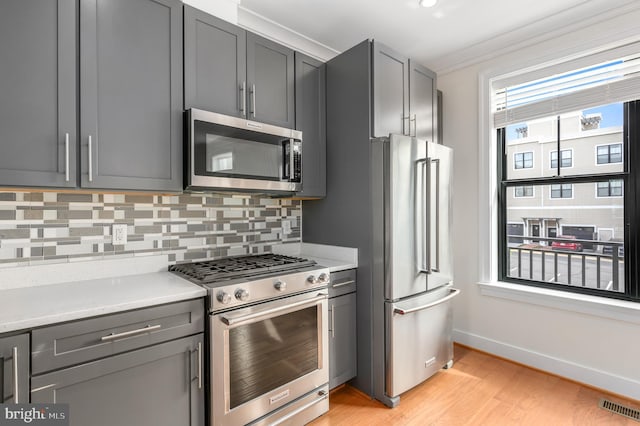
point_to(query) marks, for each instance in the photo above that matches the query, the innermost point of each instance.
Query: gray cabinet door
(342, 339)
(38, 93)
(14, 369)
(390, 92)
(270, 82)
(311, 119)
(131, 94)
(214, 64)
(422, 102)
(159, 385)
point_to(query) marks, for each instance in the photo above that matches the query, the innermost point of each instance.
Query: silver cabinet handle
(253, 100)
(199, 365)
(66, 157)
(415, 125)
(90, 161)
(322, 396)
(16, 379)
(114, 336)
(333, 321)
(342, 284)
(452, 293)
(233, 319)
(243, 99)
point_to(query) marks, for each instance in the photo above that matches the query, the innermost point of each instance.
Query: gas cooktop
(210, 271)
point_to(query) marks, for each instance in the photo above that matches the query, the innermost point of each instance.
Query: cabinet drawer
(342, 282)
(81, 341)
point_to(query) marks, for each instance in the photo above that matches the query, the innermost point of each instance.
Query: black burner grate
(239, 266)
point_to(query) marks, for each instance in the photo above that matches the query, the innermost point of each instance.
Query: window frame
(609, 187)
(524, 189)
(631, 192)
(609, 145)
(562, 190)
(515, 162)
(555, 151)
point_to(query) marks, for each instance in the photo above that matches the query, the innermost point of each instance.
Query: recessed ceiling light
(427, 3)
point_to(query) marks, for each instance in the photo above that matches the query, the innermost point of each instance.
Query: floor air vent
(629, 412)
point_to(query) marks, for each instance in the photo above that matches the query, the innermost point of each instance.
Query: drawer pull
(16, 378)
(343, 284)
(113, 336)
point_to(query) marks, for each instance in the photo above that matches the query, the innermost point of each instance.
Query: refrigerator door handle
(452, 293)
(424, 266)
(436, 209)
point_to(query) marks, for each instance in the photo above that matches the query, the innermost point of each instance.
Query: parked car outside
(566, 245)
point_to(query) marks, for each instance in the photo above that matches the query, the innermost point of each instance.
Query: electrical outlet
(119, 234)
(286, 227)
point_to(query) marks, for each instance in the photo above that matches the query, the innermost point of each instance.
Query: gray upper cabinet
(38, 93)
(213, 84)
(14, 369)
(404, 96)
(270, 82)
(234, 72)
(422, 102)
(311, 120)
(131, 94)
(390, 91)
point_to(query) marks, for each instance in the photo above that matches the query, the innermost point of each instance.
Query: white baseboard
(600, 379)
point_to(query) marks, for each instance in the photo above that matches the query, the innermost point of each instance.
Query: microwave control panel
(292, 164)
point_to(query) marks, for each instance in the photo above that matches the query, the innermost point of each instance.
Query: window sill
(620, 310)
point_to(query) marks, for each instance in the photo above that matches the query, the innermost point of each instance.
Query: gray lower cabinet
(231, 71)
(14, 369)
(342, 328)
(155, 386)
(131, 94)
(38, 93)
(311, 119)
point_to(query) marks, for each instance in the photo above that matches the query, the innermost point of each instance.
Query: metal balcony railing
(587, 263)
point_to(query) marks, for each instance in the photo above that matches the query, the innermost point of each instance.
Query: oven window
(270, 353)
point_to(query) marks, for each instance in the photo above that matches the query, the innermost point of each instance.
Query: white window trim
(595, 159)
(533, 160)
(560, 160)
(533, 192)
(562, 198)
(610, 45)
(595, 184)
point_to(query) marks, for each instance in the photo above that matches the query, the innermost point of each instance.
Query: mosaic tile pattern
(50, 227)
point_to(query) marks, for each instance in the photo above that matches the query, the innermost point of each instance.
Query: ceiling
(468, 28)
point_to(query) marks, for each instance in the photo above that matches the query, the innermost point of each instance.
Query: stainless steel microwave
(231, 153)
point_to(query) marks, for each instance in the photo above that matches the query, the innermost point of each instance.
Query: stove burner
(239, 266)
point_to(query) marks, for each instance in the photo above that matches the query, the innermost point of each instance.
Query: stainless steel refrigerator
(412, 262)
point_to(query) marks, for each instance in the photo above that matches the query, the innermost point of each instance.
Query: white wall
(584, 341)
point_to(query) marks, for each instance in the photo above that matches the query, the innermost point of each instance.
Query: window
(607, 154)
(612, 188)
(523, 160)
(564, 190)
(523, 191)
(566, 158)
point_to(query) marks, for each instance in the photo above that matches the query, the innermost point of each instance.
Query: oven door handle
(235, 319)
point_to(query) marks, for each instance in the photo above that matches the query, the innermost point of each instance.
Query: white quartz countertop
(333, 257)
(29, 307)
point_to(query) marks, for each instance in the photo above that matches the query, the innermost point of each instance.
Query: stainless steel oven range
(268, 346)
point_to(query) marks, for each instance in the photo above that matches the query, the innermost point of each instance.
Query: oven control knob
(323, 278)
(280, 285)
(223, 297)
(242, 294)
(311, 279)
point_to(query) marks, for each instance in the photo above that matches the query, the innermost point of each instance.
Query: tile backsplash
(58, 227)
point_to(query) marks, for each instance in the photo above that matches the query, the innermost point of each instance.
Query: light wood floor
(480, 390)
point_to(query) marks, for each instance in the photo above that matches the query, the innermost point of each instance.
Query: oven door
(266, 356)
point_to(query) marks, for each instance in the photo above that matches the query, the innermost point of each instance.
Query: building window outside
(566, 158)
(562, 190)
(523, 191)
(607, 154)
(523, 160)
(612, 188)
